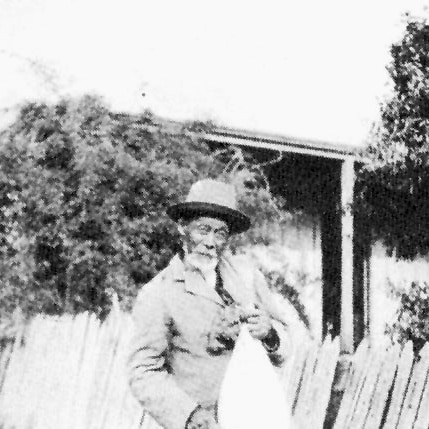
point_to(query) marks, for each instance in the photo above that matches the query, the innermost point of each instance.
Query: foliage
(279, 284)
(412, 316)
(394, 180)
(82, 193)
(254, 195)
(83, 198)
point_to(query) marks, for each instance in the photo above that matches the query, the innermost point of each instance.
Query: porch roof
(281, 143)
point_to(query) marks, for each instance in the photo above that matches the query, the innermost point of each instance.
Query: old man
(188, 317)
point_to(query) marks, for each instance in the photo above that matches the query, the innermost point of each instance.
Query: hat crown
(213, 192)
(211, 198)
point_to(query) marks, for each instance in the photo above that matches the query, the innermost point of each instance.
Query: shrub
(83, 193)
(412, 316)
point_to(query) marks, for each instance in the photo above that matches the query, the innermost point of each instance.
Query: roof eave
(280, 143)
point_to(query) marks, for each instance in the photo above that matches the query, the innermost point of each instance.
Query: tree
(83, 193)
(394, 180)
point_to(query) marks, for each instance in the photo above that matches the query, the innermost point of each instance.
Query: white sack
(251, 395)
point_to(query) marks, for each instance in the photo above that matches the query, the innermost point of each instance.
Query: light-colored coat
(171, 370)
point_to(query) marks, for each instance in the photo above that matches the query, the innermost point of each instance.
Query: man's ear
(181, 227)
(181, 230)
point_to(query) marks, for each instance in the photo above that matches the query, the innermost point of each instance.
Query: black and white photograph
(214, 214)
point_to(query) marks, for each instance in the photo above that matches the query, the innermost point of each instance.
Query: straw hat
(211, 198)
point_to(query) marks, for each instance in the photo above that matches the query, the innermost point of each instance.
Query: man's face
(204, 239)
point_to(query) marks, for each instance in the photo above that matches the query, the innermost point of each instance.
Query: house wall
(296, 253)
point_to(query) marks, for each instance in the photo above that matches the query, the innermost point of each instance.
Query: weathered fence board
(381, 391)
(414, 391)
(302, 403)
(362, 402)
(294, 373)
(422, 421)
(352, 385)
(400, 386)
(69, 373)
(323, 377)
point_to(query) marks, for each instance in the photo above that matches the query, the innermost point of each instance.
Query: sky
(309, 68)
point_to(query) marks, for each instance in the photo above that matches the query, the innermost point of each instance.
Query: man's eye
(222, 234)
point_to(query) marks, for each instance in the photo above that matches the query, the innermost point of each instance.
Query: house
(320, 175)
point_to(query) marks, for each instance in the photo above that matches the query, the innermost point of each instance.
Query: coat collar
(194, 282)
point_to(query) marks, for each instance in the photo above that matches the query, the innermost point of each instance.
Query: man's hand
(258, 323)
(225, 330)
(202, 418)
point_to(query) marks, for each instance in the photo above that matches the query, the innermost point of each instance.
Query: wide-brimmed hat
(211, 198)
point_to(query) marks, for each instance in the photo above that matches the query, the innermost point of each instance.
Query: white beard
(206, 266)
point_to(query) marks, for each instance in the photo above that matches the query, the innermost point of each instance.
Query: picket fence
(68, 373)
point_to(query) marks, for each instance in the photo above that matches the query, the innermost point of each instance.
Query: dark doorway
(311, 184)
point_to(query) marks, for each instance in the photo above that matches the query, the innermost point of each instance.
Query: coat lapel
(193, 280)
(195, 284)
(237, 282)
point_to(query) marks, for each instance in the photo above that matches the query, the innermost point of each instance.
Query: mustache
(210, 254)
(202, 262)
(199, 251)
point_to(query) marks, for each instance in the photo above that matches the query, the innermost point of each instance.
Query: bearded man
(188, 317)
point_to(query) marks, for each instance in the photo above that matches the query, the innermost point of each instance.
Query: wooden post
(367, 294)
(347, 311)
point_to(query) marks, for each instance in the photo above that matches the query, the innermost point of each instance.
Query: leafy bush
(278, 283)
(83, 193)
(412, 316)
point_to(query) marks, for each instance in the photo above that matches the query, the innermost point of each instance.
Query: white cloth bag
(251, 395)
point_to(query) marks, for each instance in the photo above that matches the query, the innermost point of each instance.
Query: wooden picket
(382, 388)
(294, 373)
(367, 386)
(402, 376)
(317, 400)
(5, 354)
(423, 414)
(303, 392)
(313, 397)
(352, 385)
(414, 391)
(388, 384)
(69, 373)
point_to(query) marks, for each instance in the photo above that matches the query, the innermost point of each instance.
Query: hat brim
(238, 222)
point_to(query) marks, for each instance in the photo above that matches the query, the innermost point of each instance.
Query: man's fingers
(253, 316)
(256, 318)
(253, 312)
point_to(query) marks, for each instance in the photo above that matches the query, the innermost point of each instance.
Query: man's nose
(210, 240)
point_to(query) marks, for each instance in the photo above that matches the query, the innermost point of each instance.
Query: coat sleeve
(267, 300)
(150, 380)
